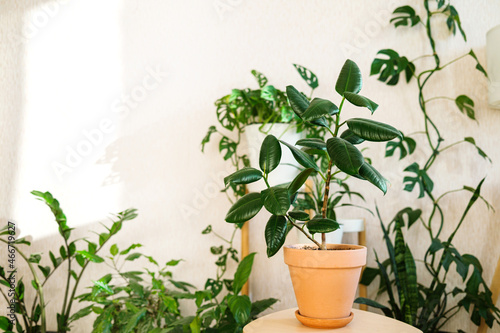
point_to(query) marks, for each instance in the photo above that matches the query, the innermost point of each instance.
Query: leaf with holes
(408, 17)
(227, 147)
(308, 76)
(479, 150)
(466, 106)
(421, 178)
(390, 69)
(261, 78)
(391, 147)
(268, 93)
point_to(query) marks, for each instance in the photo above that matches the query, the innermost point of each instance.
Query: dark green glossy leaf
(243, 176)
(319, 108)
(387, 312)
(372, 130)
(240, 307)
(275, 232)
(243, 272)
(308, 76)
(314, 143)
(261, 305)
(298, 101)
(369, 173)
(299, 215)
(297, 183)
(270, 154)
(301, 157)
(345, 155)
(276, 200)
(361, 101)
(349, 136)
(322, 225)
(349, 79)
(245, 208)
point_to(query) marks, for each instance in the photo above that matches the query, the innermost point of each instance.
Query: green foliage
(322, 157)
(31, 318)
(265, 105)
(428, 307)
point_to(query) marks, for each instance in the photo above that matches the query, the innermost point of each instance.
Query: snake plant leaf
(412, 289)
(349, 79)
(349, 135)
(313, 143)
(479, 67)
(301, 157)
(276, 200)
(319, 108)
(408, 17)
(345, 155)
(371, 130)
(243, 272)
(322, 225)
(362, 300)
(261, 78)
(297, 183)
(361, 101)
(298, 101)
(299, 215)
(276, 231)
(368, 172)
(243, 176)
(245, 208)
(308, 76)
(270, 154)
(466, 106)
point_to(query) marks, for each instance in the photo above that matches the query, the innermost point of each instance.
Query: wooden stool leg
(495, 290)
(362, 288)
(244, 252)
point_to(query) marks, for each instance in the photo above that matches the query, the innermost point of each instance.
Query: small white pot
(284, 173)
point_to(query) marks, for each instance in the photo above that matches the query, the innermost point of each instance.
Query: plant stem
(305, 233)
(325, 200)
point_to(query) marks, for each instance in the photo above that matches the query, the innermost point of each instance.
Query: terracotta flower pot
(325, 282)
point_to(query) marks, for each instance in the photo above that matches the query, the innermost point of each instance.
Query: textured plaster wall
(77, 70)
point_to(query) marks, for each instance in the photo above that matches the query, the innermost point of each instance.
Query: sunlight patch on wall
(73, 76)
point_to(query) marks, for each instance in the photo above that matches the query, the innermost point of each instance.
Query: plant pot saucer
(323, 323)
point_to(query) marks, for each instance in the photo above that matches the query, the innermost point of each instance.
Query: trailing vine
(430, 307)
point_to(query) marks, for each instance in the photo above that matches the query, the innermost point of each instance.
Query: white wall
(94, 60)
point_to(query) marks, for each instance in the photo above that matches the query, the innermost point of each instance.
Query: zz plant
(339, 149)
(429, 306)
(32, 317)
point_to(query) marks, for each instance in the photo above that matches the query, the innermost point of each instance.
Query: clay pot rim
(337, 247)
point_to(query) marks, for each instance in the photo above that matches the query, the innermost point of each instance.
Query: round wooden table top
(364, 321)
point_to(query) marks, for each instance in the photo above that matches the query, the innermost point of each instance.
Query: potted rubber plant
(324, 276)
